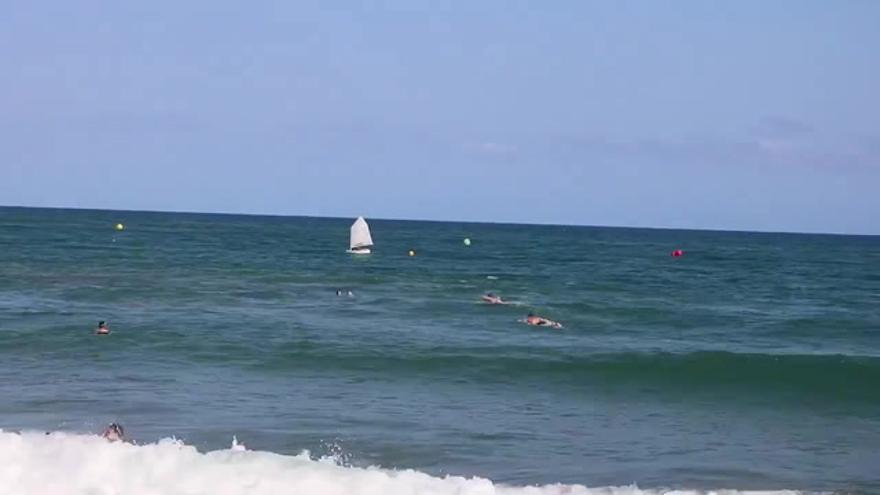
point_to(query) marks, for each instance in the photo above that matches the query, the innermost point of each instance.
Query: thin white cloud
(772, 141)
(496, 148)
(783, 127)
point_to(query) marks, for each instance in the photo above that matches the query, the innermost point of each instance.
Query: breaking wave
(77, 464)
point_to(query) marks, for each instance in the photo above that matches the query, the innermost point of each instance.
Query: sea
(750, 363)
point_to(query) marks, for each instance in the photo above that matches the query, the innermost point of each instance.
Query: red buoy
(677, 253)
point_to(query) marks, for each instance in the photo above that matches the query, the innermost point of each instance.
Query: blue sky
(745, 115)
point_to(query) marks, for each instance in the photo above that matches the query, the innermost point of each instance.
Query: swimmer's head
(114, 432)
(102, 323)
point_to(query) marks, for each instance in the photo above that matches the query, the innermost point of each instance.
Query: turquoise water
(751, 362)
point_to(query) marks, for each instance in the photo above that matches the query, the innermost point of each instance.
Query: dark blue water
(753, 361)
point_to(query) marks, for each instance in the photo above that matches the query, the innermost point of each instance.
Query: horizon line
(477, 222)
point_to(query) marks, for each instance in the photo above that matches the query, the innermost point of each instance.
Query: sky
(746, 115)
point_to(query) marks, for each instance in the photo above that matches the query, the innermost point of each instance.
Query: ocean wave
(76, 464)
(841, 377)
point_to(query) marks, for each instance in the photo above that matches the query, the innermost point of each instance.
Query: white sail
(360, 234)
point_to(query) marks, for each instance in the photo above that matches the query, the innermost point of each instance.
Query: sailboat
(361, 241)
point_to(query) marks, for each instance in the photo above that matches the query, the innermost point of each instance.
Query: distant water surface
(753, 361)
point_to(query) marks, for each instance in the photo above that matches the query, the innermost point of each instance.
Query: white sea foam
(63, 464)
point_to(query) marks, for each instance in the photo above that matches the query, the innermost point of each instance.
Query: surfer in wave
(114, 433)
(102, 329)
(491, 298)
(537, 321)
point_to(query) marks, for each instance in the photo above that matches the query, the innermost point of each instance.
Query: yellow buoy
(467, 241)
(412, 252)
(119, 226)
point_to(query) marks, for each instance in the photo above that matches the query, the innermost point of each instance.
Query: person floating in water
(491, 298)
(537, 321)
(102, 329)
(348, 293)
(114, 433)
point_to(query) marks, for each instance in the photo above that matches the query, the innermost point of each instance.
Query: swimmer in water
(102, 329)
(537, 321)
(491, 298)
(114, 433)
